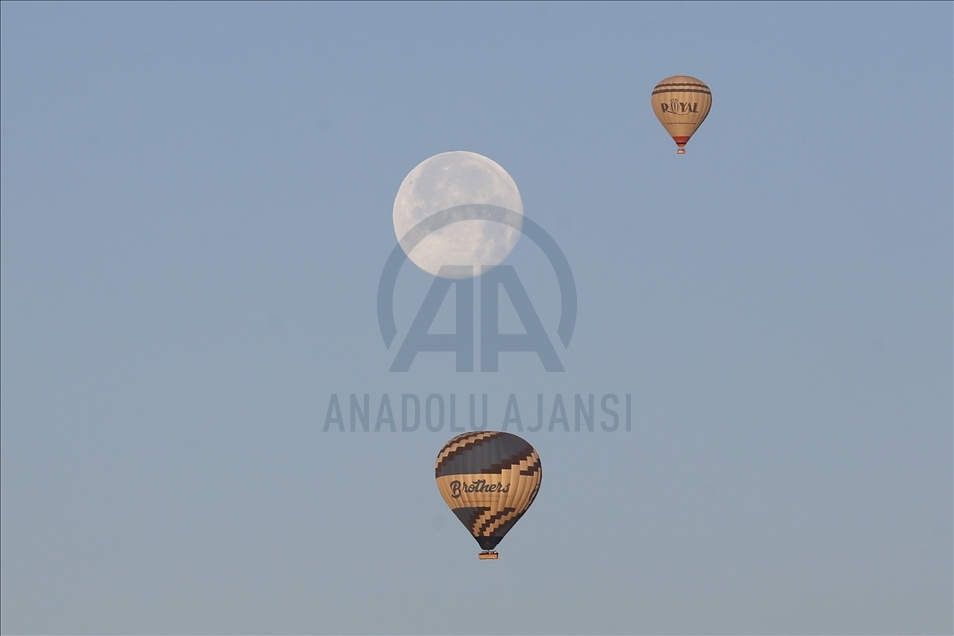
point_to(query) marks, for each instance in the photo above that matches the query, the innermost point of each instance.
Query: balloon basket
(681, 151)
(490, 554)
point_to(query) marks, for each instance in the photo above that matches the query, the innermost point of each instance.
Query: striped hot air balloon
(488, 479)
(681, 103)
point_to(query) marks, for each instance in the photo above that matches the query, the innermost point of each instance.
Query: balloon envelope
(488, 479)
(681, 103)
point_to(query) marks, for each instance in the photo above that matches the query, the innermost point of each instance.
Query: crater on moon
(451, 179)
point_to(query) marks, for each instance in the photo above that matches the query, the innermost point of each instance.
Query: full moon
(451, 179)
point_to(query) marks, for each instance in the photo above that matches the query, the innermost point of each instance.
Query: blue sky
(196, 209)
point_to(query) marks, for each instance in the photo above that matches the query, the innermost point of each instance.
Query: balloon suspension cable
(487, 554)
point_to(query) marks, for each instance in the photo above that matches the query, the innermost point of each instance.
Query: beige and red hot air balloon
(681, 104)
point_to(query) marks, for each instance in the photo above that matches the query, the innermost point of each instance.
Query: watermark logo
(493, 279)
(546, 413)
(457, 216)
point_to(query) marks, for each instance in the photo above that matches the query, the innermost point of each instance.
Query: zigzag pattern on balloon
(489, 479)
(481, 452)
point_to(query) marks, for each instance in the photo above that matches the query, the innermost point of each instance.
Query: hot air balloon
(681, 103)
(488, 479)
